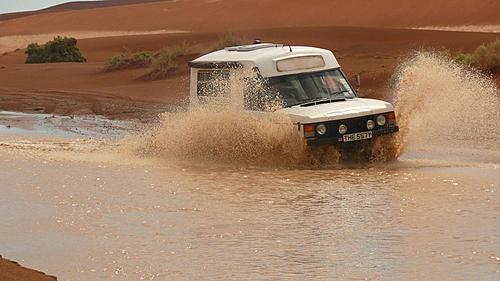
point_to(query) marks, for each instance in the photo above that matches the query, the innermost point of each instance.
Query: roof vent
(253, 47)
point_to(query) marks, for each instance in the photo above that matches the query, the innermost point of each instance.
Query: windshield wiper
(318, 100)
(340, 93)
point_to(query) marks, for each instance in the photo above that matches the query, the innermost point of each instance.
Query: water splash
(219, 130)
(227, 136)
(437, 100)
(441, 102)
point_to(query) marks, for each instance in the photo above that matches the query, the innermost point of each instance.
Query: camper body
(314, 91)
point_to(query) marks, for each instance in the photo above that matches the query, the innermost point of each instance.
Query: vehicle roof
(265, 57)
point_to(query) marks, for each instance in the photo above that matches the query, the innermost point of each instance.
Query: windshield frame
(340, 71)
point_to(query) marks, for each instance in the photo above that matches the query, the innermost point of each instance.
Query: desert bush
(486, 56)
(165, 61)
(228, 40)
(36, 53)
(129, 60)
(61, 49)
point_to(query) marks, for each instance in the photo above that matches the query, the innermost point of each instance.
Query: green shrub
(36, 53)
(486, 56)
(129, 60)
(228, 40)
(58, 50)
(165, 61)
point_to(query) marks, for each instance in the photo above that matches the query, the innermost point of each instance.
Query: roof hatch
(252, 47)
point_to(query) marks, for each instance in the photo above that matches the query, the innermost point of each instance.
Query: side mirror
(358, 82)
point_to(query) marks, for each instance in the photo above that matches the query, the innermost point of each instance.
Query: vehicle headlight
(342, 129)
(381, 120)
(370, 124)
(321, 129)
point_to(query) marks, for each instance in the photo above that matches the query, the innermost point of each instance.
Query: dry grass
(229, 40)
(486, 57)
(162, 63)
(166, 61)
(129, 60)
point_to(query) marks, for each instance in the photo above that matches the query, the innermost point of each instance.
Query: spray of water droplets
(437, 101)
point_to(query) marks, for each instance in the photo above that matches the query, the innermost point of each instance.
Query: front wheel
(383, 148)
(386, 148)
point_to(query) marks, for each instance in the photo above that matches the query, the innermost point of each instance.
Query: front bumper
(339, 139)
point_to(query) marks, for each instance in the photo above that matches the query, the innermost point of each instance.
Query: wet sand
(10, 270)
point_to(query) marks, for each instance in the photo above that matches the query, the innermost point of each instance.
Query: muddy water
(98, 220)
(28, 124)
(95, 209)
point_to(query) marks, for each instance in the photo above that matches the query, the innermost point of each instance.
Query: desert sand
(368, 37)
(464, 28)
(13, 42)
(10, 271)
(372, 52)
(229, 15)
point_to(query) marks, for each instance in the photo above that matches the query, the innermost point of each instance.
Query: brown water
(95, 209)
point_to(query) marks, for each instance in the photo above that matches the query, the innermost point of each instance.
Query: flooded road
(97, 215)
(85, 206)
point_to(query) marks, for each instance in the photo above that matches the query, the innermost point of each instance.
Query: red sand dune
(373, 50)
(12, 271)
(227, 15)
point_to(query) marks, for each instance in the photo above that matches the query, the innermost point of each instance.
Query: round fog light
(342, 129)
(321, 129)
(370, 124)
(381, 120)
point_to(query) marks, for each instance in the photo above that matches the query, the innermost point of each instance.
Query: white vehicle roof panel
(265, 56)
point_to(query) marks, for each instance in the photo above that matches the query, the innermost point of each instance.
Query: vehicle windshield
(309, 87)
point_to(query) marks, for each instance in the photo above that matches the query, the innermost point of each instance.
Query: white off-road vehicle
(314, 91)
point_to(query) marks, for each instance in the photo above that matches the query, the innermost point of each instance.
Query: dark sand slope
(75, 5)
(12, 271)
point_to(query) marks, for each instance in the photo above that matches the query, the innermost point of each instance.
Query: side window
(259, 96)
(212, 83)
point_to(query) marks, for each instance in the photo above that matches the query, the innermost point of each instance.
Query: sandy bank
(12, 271)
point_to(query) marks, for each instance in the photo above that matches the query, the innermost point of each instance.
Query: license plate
(357, 136)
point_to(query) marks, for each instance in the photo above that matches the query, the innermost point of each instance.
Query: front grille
(354, 125)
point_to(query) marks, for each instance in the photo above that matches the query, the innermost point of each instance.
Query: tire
(356, 152)
(381, 149)
(324, 155)
(386, 148)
